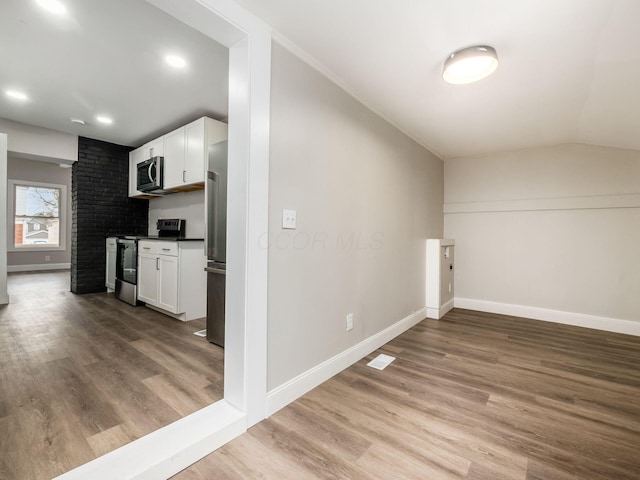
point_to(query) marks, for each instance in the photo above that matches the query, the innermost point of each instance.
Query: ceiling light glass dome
(470, 64)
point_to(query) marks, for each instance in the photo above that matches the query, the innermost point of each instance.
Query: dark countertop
(172, 239)
(164, 239)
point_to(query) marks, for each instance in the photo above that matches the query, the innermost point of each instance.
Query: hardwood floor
(81, 375)
(473, 396)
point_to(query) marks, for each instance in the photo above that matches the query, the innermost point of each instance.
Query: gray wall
(555, 228)
(36, 171)
(367, 197)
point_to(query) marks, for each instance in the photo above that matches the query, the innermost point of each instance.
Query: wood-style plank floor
(81, 375)
(473, 396)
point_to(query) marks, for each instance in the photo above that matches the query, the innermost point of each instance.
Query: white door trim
(245, 376)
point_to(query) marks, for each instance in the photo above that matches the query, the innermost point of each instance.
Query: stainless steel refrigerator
(216, 238)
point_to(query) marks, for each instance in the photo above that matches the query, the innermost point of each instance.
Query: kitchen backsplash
(186, 205)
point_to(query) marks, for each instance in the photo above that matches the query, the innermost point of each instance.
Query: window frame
(11, 217)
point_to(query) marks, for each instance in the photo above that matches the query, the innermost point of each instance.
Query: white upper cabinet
(185, 153)
(196, 154)
(175, 149)
(154, 148)
(135, 156)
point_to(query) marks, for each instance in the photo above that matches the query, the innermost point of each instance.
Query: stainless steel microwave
(150, 174)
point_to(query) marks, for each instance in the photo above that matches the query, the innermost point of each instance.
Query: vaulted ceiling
(569, 69)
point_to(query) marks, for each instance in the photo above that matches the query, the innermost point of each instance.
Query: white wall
(42, 172)
(367, 197)
(186, 205)
(4, 297)
(37, 143)
(554, 228)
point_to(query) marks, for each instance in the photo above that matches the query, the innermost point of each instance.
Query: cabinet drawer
(146, 246)
(155, 247)
(168, 248)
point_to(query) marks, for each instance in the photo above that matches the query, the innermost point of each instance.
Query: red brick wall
(17, 238)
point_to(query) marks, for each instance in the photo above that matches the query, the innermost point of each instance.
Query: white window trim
(11, 199)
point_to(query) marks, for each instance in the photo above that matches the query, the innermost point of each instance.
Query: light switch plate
(289, 219)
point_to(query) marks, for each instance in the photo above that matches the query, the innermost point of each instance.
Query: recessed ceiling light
(52, 6)
(175, 61)
(78, 121)
(104, 120)
(470, 64)
(16, 94)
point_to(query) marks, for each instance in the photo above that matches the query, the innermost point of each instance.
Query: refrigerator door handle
(212, 243)
(215, 270)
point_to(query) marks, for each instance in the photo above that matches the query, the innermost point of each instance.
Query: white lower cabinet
(110, 267)
(171, 277)
(168, 283)
(148, 274)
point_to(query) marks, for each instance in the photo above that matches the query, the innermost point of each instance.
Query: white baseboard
(438, 313)
(38, 267)
(286, 393)
(165, 452)
(616, 325)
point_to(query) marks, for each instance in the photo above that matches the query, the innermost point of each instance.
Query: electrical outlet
(47, 258)
(289, 219)
(350, 322)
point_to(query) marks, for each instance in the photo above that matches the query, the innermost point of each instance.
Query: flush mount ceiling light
(16, 95)
(104, 120)
(470, 64)
(175, 61)
(52, 6)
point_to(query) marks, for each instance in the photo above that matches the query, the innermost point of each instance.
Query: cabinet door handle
(183, 174)
(166, 249)
(157, 264)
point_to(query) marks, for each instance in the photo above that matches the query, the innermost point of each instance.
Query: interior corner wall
(555, 228)
(42, 172)
(4, 297)
(367, 197)
(100, 207)
(38, 143)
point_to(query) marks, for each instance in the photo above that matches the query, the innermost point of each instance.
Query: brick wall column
(101, 207)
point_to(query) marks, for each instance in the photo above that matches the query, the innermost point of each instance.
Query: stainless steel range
(127, 269)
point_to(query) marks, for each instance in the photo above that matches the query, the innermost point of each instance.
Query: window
(38, 212)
